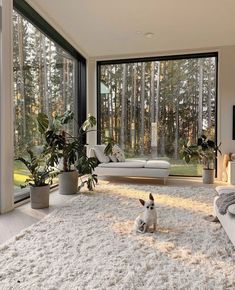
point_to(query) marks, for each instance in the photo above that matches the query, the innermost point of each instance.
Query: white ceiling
(108, 27)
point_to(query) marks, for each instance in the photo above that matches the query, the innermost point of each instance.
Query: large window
(45, 80)
(152, 107)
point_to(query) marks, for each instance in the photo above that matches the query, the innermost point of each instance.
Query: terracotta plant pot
(68, 182)
(39, 196)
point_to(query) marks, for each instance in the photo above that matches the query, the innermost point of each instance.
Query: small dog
(148, 218)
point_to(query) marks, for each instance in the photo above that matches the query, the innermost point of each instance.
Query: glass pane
(152, 108)
(44, 81)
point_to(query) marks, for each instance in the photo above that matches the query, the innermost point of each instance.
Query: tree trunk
(142, 107)
(157, 103)
(21, 76)
(45, 95)
(200, 97)
(123, 108)
(153, 124)
(209, 96)
(176, 129)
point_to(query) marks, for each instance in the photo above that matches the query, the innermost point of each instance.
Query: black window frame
(156, 58)
(23, 8)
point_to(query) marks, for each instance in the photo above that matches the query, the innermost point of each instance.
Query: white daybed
(129, 168)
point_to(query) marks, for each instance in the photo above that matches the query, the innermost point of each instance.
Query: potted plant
(39, 180)
(206, 152)
(68, 149)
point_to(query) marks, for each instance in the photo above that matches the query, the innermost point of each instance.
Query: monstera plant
(205, 151)
(67, 151)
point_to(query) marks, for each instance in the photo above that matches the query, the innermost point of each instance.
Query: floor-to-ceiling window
(151, 107)
(45, 79)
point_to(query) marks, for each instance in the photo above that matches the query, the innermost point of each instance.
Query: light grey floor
(23, 216)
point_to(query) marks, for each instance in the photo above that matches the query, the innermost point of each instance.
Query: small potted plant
(68, 149)
(204, 151)
(39, 180)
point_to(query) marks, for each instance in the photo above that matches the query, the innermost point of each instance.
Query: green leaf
(66, 117)
(90, 122)
(43, 122)
(211, 143)
(108, 149)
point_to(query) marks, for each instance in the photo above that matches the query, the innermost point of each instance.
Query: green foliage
(43, 122)
(109, 147)
(62, 145)
(65, 118)
(89, 123)
(91, 181)
(86, 165)
(59, 143)
(40, 172)
(204, 151)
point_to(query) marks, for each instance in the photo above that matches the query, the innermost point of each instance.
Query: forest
(44, 81)
(152, 108)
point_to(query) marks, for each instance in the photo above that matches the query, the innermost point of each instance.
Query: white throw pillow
(118, 153)
(113, 158)
(231, 209)
(99, 152)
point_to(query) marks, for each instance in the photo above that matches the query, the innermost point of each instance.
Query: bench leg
(165, 180)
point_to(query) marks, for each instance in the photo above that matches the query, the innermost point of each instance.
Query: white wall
(226, 100)
(226, 93)
(6, 109)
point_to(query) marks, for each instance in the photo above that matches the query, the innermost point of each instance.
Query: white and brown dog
(147, 221)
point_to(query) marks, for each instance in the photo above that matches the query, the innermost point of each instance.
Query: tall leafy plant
(61, 145)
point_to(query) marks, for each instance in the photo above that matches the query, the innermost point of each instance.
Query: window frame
(31, 15)
(156, 58)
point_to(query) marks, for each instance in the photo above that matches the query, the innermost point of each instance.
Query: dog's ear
(142, 201)
(151, 197)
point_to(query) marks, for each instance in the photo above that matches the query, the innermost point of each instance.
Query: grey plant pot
(208, 176)
(39, 196)
(68, 182)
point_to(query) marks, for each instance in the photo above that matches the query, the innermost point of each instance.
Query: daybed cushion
(126, 164)
(160, 164)
(99, 152)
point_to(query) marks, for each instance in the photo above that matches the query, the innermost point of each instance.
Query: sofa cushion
(160, 164)
(231, 209)
(126, 164)
(225, 189)
(99, 152)
(118, 154)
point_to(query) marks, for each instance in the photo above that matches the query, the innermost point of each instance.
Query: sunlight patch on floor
(163, 199)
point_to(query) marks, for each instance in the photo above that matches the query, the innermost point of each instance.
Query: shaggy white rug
(89, 244)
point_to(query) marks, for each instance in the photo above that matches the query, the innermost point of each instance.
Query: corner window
(151, 107)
